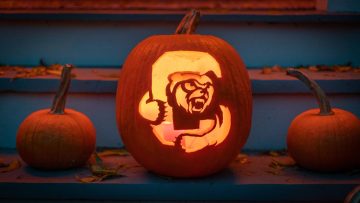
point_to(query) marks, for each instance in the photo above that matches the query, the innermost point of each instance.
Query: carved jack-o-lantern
(184, 103)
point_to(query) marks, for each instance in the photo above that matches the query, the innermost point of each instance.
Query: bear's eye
(189, 86)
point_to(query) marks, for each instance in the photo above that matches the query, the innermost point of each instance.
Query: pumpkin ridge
(27, 137)
(36, 134)
(85, 142)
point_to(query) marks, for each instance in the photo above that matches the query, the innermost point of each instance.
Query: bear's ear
(215, 81)
(211, 75)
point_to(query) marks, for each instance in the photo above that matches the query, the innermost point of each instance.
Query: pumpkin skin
(56, 138)
(233, 91)
(52, 141)
(323, 139)
(325, 143)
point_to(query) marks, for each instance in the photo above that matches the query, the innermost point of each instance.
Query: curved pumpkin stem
(58, 105)
(189, 23)
(324, 104)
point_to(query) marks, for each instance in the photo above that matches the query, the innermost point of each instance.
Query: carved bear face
(191, 91)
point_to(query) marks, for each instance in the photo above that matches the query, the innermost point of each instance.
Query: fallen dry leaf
(95, 159)
(58, 73)
(99, 171)
(56, 67)
(13, 165)
(286, 161)
(274, 153)
(102, 170)
(54, 72)
(313, 68)
(113, 152)
(40, 70)
(342, 68)
(241, 158)
(275, 165)
(90, 179)
(325, 68)
(277, 68)
(266, 70)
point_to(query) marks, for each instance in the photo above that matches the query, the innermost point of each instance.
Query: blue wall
(95, 43)
(344, 5)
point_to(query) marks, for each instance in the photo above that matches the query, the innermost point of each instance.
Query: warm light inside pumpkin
(182, 105)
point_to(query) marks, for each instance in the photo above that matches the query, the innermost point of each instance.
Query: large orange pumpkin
(184, 103)
(324, 139)
(56, 138)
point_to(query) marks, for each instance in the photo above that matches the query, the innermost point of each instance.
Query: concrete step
(252, 180)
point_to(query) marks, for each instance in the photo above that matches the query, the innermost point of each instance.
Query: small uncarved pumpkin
(324, 139)
(184, 102)
(56, 138)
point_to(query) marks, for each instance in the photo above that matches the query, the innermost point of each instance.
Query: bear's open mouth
(197, 104)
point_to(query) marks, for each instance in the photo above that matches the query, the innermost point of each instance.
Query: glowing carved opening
(182, 105)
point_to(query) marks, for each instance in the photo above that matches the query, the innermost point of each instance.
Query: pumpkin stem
(324, 104)
(189, 23)
(58, 105)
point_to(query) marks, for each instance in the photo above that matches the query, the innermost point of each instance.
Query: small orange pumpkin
(56, 138)
(323, 139)
(184, 102)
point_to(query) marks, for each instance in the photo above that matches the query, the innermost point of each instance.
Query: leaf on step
(99, 171)
(114, 152)
(313, 68)
(266, 70)
(274, 153)
(242, 158)
(275, 165)
(58, 73)
(54, 72)
(95, 159)
(277, 68)
(56, 66)
(286, 161)
(13, 165)
(100, 174)
(90, 179)
(342, 68)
